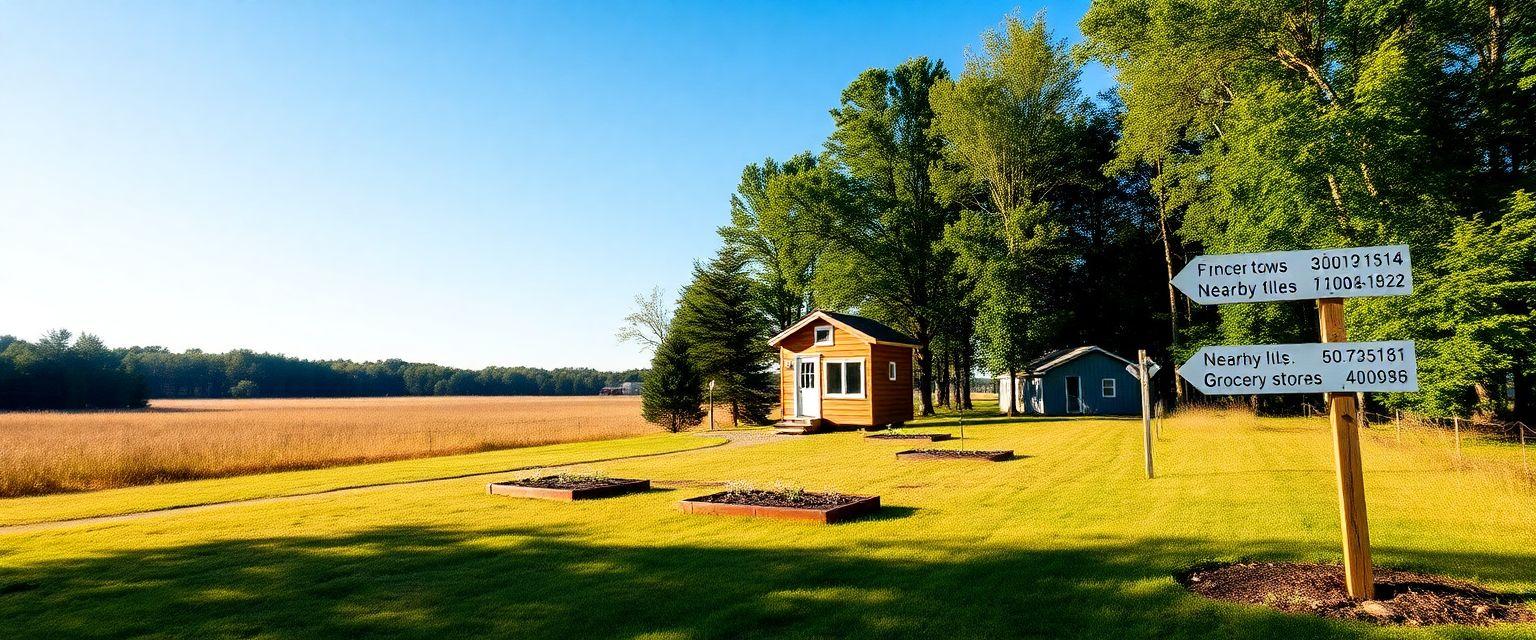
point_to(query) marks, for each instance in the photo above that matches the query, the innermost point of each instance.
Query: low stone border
(865, 505)
(511, 488)
(930, 454)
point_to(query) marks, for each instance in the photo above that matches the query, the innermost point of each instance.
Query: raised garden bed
(954, 454)
(805, 506)
(1404, 598)
(566, 487)
(929, 437)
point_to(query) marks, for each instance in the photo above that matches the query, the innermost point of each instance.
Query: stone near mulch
(567, 487)
(1404, 598)
(954, 454)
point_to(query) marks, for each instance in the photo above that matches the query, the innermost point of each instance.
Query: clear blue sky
(462, 183)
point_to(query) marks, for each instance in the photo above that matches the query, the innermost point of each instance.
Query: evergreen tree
(673, 392)
(728, 336)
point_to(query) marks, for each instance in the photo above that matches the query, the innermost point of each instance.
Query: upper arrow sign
(1297, 275)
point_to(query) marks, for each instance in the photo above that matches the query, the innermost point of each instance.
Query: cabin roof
(871, 331)
(1059, 357)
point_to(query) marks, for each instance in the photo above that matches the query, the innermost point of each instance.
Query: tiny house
(1082, 381)
(842, 370)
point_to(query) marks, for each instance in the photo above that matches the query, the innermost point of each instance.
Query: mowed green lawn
(1069, 541)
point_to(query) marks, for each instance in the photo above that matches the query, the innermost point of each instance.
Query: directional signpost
(1297, 275)
(1334, 367)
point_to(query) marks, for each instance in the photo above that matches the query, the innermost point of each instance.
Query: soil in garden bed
(1403, 597)
(957, 454)
(765, 498)
(568, 482)
(931, 437)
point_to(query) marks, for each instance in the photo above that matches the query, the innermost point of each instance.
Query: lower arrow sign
(1304, 368)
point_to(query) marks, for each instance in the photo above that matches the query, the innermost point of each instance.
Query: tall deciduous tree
(1325, 123)
(776, 228)
(1011, 121)
(727, 336)
(884, 216)
(647, 324)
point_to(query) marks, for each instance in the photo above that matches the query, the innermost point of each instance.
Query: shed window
(1108, 387)
(845, 378)
(824, 336)
(890, 371)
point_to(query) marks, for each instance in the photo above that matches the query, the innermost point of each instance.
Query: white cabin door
(808, 387)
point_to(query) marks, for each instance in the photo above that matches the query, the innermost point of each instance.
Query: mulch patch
(765, 498)
(1403, 597)
(569, 482)
(954, 454)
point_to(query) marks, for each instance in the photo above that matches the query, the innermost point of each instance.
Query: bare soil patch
(1404, 598)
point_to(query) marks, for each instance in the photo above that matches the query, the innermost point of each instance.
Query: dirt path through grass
(734, 438)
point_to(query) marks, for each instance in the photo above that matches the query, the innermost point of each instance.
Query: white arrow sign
(1152, 370)
(1297, 275)
(1304, 368)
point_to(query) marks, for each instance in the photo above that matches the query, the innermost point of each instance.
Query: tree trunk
(925, 372)
(1013, 392)
(943, 384)
(965, 378)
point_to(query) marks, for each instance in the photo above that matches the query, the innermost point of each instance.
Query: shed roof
(1059, 357)
(869, 330)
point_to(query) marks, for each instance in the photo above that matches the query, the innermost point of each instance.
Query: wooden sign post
(1146, 408)
(1343, 416)
(1335, 367)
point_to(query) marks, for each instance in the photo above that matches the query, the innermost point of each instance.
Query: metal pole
(711, 405)
(1343, 415)
(1146, 409)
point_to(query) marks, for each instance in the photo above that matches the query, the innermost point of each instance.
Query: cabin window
(1108, 387)
(890, 371)
(845, 379)
(824, 336)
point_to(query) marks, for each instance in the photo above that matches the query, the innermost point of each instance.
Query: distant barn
(1083, 381)
(625, 389)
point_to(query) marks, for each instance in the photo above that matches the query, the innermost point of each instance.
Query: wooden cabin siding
(891, 400)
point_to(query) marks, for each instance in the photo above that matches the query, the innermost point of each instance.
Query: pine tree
(673, 390)
(728, 336)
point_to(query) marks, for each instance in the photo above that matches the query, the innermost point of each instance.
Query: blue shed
(1082, 381)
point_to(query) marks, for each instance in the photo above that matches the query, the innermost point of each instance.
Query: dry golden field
(186, 439)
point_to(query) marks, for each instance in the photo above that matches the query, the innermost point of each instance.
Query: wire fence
(1498, 446)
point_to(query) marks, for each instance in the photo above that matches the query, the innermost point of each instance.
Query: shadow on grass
(417, 581)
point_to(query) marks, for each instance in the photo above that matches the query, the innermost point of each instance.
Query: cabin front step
(796, 426)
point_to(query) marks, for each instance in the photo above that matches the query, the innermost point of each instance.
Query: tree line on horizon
(61, 371)
(997, 213)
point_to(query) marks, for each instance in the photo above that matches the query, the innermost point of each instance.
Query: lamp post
(711, 405)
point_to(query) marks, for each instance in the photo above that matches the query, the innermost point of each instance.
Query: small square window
(824, 336)
(891, 371)
(834, 377)
(1108, 388)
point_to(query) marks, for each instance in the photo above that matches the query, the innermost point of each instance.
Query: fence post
(1456, 424)
(1524, 460)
